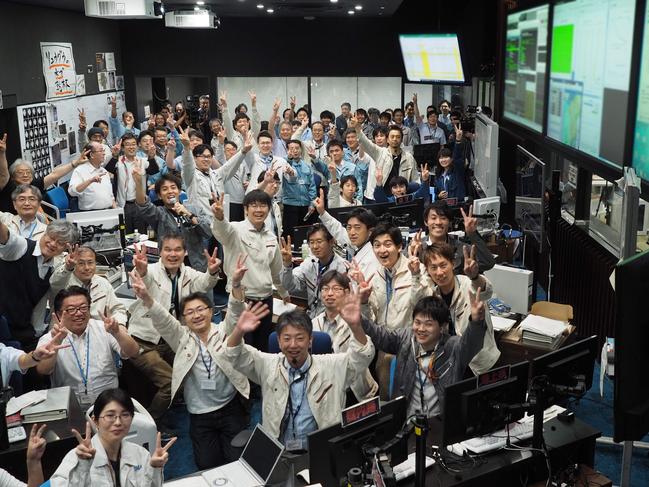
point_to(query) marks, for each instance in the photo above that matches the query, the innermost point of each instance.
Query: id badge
(294, 445)
(300, 181)
(85, 399)
(428, 137)
(208, 385)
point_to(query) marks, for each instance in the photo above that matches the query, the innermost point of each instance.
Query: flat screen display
(641, 135)
(525, 66)
(432, 57)
(590, 68)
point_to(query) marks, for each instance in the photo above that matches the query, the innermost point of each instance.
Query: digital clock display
(360, 411)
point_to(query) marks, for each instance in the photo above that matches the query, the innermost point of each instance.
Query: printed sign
(58, 70)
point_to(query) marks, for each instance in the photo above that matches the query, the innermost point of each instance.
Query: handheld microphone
(183, 218)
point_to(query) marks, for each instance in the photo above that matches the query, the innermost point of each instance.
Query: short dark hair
(410, 104)
(444, 101)
(397, 181)
(87, 248)
(238, 117)
(287, 110)
(334, 275)
(362, 111)
(431, 112)
(440, 208)
(318, 227)
(196, 133)
(294, 141)
(68, 292)
(264, 133)
(230, 142)
(349, 131)
(129, 136)
(100, 122)
(327, 114)
(161, 129)
(171, 236)
(296, 123)
(393, 128)
(335, 143)
(263, 174)
(432, 307)
(194, 296)
(380, 130)
(143, 134)
(349, 177)
(346, 104)
(120, 396)
(167, 178)
(398, 110)
(386, 114)
(238, 108)
(257, 196)
(302, 109)
(200, 148)
(296, 318)
(455, 113)
(384, 228)
(366, 217)
(443, 249)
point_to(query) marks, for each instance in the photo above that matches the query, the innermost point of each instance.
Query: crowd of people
(223, 196)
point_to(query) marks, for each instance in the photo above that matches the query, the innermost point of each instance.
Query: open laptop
(254, 467)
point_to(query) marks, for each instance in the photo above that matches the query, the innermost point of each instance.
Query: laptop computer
(254, 467)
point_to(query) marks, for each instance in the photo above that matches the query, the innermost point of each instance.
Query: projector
(124, 9)
(192, 19)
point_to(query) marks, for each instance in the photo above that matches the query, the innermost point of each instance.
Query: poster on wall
(58, 70)
(102, 81)
(81, 84)
(34, 132)
(100, 60)
(110, 61)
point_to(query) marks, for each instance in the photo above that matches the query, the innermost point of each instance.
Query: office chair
(59, 198)
(321, 343)
(143, 429)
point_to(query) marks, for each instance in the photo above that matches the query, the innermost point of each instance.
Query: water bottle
(136, 236)
(305, 250)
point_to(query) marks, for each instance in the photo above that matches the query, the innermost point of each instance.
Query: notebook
(54, 407)
(254, 467)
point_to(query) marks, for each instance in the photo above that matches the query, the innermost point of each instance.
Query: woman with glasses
(213, 388)
(107, 459)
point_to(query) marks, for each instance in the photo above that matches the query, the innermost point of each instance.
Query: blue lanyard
(388, 293)
(33, 228)
(292, 414)
(208, 366)
(84, 377)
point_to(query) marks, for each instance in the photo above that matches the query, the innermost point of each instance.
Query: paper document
(17, 404)
(543, 326)
(279, 307)
(502, 324)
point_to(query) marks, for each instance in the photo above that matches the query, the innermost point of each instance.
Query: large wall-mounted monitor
(641, 135)
(525, 66)
(590, 66)
(433, 58)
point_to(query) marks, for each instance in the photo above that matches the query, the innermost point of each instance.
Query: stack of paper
(17, 404)
(55, 407)
(502, 324)
(541, 330)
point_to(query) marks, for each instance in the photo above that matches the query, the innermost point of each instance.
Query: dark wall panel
(23, 28)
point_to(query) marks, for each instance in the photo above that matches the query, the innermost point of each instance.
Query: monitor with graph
(433, 58)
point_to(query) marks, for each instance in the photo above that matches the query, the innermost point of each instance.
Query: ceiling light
(260, 6)
(270, 10)
(358, 7)
(350, 12)
(197, 8)
(333, 1)
(200, 2)
(382, 7)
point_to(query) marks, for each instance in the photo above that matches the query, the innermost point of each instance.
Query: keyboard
(518, 431)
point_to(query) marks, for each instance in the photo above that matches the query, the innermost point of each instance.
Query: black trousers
(133, 220)
(293, 216)
(212, 432)
(259, 337)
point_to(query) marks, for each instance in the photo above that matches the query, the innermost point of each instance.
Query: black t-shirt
(396, 162)
(115, 466)
(5, 194)
(448, 298)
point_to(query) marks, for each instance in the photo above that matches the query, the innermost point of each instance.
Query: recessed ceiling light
(358, 7)
(333, 1)
(351, 12)
(382, 7)
(270, 10)
(260, 6)
(200, 2)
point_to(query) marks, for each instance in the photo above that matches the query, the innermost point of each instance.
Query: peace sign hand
(413, 254)
(217, 207)
(161, 454)
(140, 259)
(425, 174)
(36, 444)
(83, 124)
(332, 132)
(110, 324)
(184, 137)
(458, 132)
(319, 203)
(213, 262)
(471, 268)
(253, 98)
(353, 121)
(276, 104)
(223, 99)
(117, 148)
(477, 306)
(85, 450)
(470, 222)
(72, 257)
(140, 289)
(286, 250)
(50, 348)
(239, 270)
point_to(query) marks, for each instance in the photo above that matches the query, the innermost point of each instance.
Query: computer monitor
(434, 58)
(427, 154)
(101, 229)
(334, 450)
(472, 406)
(530, 190)
(409, 214)
(485, 168)
(569, 369)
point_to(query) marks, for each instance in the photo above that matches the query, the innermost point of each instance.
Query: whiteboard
(329, 92)
(62, 126)
(267, 90)
(424, 95)
(381, 93)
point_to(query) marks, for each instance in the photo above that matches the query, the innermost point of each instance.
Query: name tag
(300, 181)
(295, 445)
(428, 137)
(85, 399)
(208, 384)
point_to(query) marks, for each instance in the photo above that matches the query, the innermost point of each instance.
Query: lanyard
(209, 181)
(33, 228)
(84, 376)
(292, 414)
(208, 365)
(388, 292)
(126, 178)
(427, 373)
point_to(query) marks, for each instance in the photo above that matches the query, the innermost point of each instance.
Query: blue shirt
(299, 421)
(299, 190)
(117, 128)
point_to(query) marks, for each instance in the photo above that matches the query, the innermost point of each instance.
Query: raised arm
(63, 169)
(418, 117)
(189, 164)
(272, 121)
(227, 120)
(4, 165)
(366, 144)
(255, 120)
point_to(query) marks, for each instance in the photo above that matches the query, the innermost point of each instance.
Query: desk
(60, 441)
(514, 350)
(567, 443)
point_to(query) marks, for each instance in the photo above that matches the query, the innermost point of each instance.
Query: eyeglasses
(190, 312)
(70, 310)
(334, 289)
(24, 199)
(23, 172)
(111, 418)
(204, 156)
